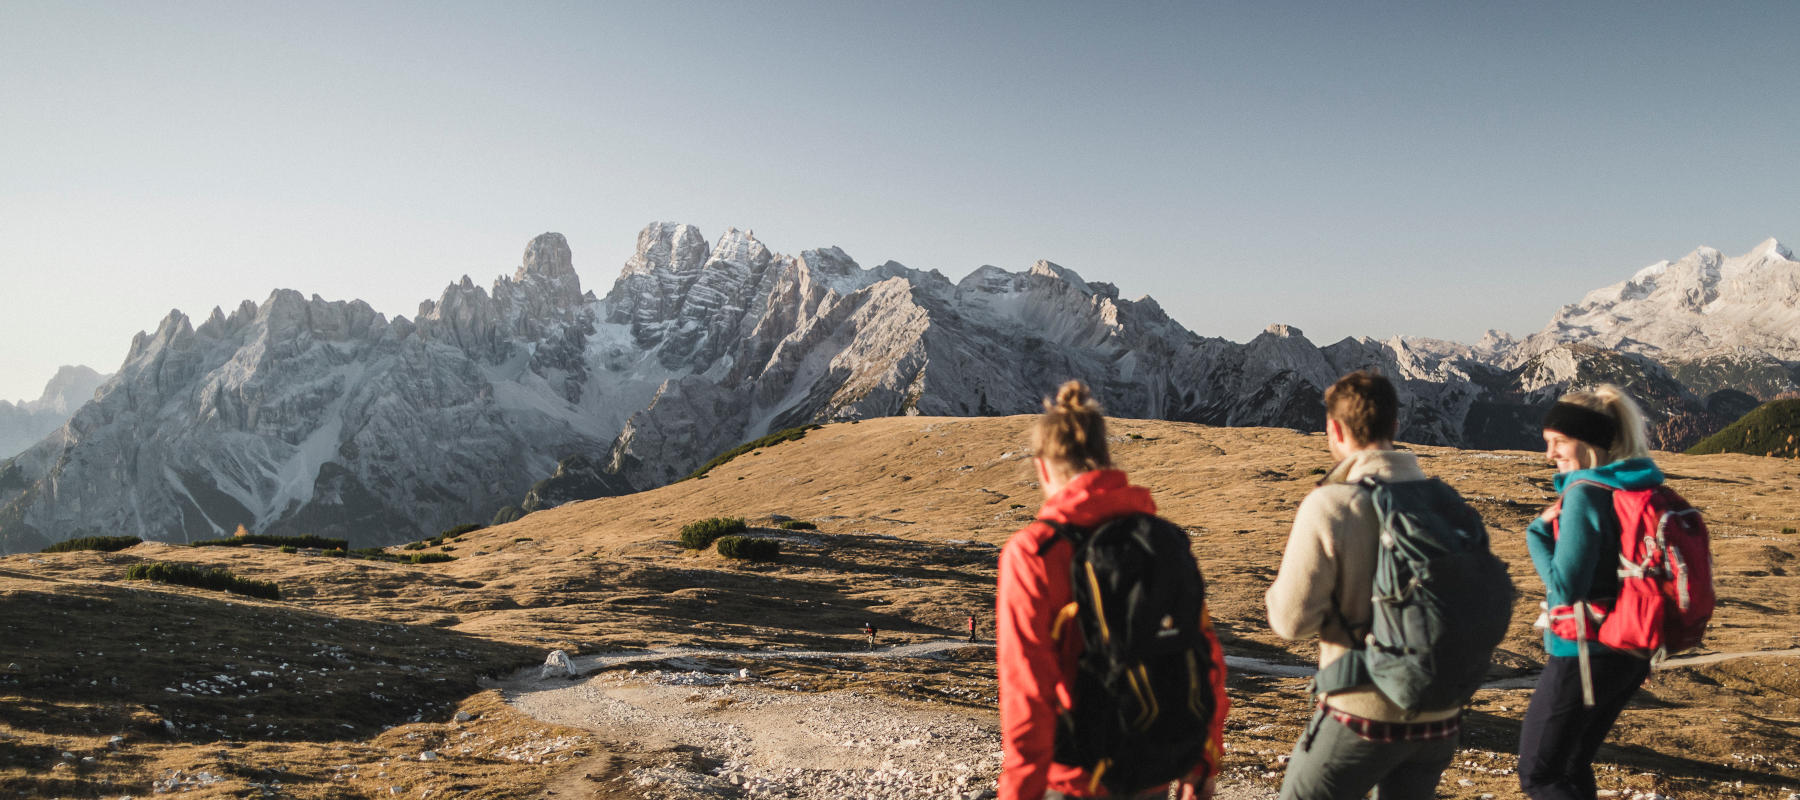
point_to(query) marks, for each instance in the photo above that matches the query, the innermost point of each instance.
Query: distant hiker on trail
(971, 627)
(1066, 730)
(869, 631)
(1597, 442)
(1369, 732)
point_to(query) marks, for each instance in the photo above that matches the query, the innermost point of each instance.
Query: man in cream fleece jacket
(1357, 738)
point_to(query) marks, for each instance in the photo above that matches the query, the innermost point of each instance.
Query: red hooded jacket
(1036, 671)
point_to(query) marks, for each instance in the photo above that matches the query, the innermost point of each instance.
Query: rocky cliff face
(302, 415)
(23, 424)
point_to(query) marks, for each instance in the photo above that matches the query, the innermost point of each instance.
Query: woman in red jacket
(1037, 669)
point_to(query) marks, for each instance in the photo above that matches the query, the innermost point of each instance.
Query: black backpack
(1442, 601)
(1143, 689)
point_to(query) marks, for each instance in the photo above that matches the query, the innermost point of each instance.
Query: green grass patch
(104, 544)
(771, 440)
(749, 548)
(307, 540)
(1772, 429)
(202, 578)
(797, 525)
(700, 535)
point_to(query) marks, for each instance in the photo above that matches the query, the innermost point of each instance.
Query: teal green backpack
(1442, 601)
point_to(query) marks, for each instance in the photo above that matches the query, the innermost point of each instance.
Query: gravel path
(736, 736)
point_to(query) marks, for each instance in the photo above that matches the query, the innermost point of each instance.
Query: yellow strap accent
(1067, 613)
(1099, 610)
(1150, 714)
(1196, 694)
(1099, 770)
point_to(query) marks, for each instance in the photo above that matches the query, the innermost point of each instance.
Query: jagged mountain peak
(1703, 304)
(1772, 249)
(547, 257)
(1057, 272)
(739, 247)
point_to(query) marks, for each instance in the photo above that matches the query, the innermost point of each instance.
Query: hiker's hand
(1551, 512)
(1204, 791)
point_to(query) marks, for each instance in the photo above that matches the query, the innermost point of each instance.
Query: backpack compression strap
(1353, 668)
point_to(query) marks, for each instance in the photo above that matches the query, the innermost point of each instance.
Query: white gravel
(733, 736)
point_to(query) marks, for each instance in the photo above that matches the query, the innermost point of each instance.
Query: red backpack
(1665, 579)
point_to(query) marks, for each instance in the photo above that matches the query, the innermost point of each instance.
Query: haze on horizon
(1370, 170)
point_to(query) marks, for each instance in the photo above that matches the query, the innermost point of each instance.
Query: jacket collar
(1631, 473)
(1096, 496)
(1387, 465)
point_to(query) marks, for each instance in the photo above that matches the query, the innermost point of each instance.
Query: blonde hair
(1631, 438)
(1072, 430)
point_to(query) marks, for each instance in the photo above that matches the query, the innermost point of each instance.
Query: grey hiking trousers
(1331, 762)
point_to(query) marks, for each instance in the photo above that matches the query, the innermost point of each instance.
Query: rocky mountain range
(305, 415)
(23, 424)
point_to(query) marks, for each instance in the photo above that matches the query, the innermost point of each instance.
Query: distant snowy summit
(1700, 306)
(302, 415)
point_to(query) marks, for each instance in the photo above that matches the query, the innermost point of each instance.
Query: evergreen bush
(430, 558)
(288, 548)
(507, 514)
(749, 548)
(798, 525)
(104, 544)
(202, 578)
(306, 540)
(700, 535)
(771, 440)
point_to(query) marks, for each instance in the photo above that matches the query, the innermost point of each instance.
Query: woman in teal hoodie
(1596, 440)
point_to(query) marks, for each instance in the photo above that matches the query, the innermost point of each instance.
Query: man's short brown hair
(1366, 404)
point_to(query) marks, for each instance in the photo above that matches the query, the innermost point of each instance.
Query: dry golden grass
(910, 512)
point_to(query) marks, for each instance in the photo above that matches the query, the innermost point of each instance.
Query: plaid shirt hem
(1378, 731)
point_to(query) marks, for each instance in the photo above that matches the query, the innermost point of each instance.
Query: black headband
(1581, 423)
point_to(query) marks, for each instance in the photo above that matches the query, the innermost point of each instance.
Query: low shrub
(798, 525)
(288, 548)
(749, 548)
(306, 540)
(459, 530)
(507, 514)
(430, 558)
(700, 535)
(104, 544)
(202, 578)
(771, 440)
(1790, 530)
(335, 552)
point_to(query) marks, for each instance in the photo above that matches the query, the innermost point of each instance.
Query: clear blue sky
(1429, 169)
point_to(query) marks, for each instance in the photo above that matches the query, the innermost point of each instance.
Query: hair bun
(1074, 396)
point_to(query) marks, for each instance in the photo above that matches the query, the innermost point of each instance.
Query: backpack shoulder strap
(1074, 534)
(1353, 668)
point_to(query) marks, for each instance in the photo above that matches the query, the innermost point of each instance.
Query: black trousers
(1560, 736)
